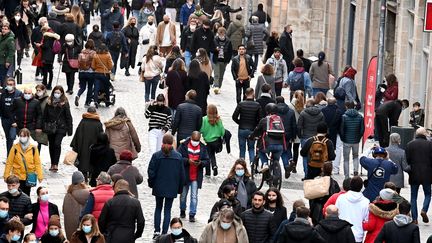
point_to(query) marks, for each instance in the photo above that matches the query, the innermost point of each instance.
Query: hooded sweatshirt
(399, 230)
(308, 122)
(333, 229)
(381, 211)
(354, 208)
(299, 231)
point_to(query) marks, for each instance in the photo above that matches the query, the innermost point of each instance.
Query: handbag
(37, 60)
(51, 127)
(250, 44)
(31, 180)
(70, 158)
(73, 63)
(331, 78)
(316, 188)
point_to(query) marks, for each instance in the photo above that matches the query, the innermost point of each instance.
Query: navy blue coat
(289, 121)
(204, 158)
(332, 116)
(377, 179)
(166, 175)
(352, 127)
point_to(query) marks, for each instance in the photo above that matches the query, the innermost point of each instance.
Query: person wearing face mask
(53, 233)
(240, 178)
(42, 211)
(57, 123)
(195, 158)
(160, 117)
(147, 37)
(88, 231)
(229, 200)
(14, 230)
(275, 205)
(225, 228)
(117, 44)
(258, 221)
(4, 214)
(97, 36)
(203, 37)
(42, 96)
(7, 98)
(110, 16)
(186, 38)
(145, 12)
(165, 36)
(7, 47)
(30, 238)
(19, 206)
(178, 234)
(22, 38)
(131, 33)
(222, 56)
(24, 159)
(70, 51)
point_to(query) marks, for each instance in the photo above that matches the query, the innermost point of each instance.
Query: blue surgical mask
(15, 237)
(240, 172)
(9, 88)
(86, 229)
(225, 226)
(4, 214)
(28, 96)
(32, 241)
(176, 232)
(13, 191)
(45, 197)
(54, 233)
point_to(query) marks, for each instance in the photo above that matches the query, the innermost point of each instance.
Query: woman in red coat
(391, 93)
(380, 211)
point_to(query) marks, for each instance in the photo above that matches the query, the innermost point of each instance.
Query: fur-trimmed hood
(116, 122)
(89, 115)
(60, 10)
(384, 209)
(52, 35)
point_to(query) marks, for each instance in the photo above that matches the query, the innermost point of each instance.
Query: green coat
(7, 48)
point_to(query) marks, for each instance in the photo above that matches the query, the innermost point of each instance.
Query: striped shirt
(160, 117)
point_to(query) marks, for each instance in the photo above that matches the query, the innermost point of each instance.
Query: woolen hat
(386, 194)
(126, 155)
(54, 220)
(77, 177)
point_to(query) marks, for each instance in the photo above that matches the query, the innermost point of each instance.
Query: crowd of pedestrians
(319, 121)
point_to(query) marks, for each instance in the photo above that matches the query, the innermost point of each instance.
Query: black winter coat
(19, 206)
(330, 148)
(204, 158)
(208, 6)
(235, 205)
(308, 121)
(36, 37)
(392, 233)
(259, 225)
(61, 115)
(279, 214)
(20, 32)
(6, 103)
(188, 118)
(289, 121)
(202, 39)
(31, 14)
(169, 238)
(47, 45)
(335, 230)
(201, 85)
(97, 37)
(391, 110)
(285, 42)
(265, 140)
(186, 39)
(55, 25)
(28, 113)
(299, 232)
(272, 43)
(225, 46)
(236, 63)
(69, 52)
(52, 210)
(333, 118)
(102, 157)
(132, 34)
(263, 101)
(118, 218)
(247, 114)
(419, 156)
(262, 17)
(226, 10)
(250, 187)
(71, 28)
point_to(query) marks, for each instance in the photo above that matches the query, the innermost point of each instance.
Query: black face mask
(166, 22)
(132, 24)
(150, 23)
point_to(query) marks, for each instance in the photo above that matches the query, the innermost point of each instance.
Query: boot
(292, 166)
(77, 100)
(287, 172)
(127, 72)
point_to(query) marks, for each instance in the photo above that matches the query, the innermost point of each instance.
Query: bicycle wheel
(276, 175)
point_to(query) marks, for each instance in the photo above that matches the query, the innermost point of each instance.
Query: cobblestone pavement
(130, 95)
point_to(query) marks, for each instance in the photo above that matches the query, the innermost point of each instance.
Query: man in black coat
(242, 78)
(226, 10)
(419, 157)
(262, 16)
(19, 203)
(333, 118)
(54, 23)
(333, 229)
(265, 98)
(286, 46)
(401, 229)
(28, 113)
(388, 114)
(119, 215)
(203, 37)
(188, 117)
(306, 62)
(258, 221)
(7, 99)
(300, 230)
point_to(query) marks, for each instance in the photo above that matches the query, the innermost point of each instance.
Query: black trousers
(212, 147)
(24, 188)
(70, 80)
(47, 69)
(383, 130)
(241, 86)
(54, 141)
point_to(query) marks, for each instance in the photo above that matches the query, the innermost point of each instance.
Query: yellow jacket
(15, 164)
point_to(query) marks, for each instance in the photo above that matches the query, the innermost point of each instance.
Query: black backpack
(297, 82)
(115, 42)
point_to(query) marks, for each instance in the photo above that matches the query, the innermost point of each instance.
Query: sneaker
(182, 214)
(424, 216)
(264, 168)
(216, 91)
(127, 73)
(292, 166)
(156, 235)
(215, 170)
(77, 100)
(287, 172)
(27, 54)
(192, 218)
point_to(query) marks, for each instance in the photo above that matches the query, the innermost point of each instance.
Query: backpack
(56, 47)
(85, 5)
(274, 129)
(84, 61)
(297, 82)
(318, 153)
(115, 42)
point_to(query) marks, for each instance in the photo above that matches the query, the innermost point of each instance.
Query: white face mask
(69, 43)
(17, 18)
(57, 95)
(23, 140)
(27, 96)
(195, 143)
(40, 93)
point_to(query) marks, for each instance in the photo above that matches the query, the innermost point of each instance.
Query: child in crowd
(417, 116)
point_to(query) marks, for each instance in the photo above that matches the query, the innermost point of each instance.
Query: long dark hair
(167, 144)
(150, 53)
(63, 98)
(194, 69)
(279, 199)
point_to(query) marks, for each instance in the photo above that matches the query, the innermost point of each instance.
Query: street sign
(428, 16)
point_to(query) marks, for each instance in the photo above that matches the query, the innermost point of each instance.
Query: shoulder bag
(73, 63)
(31, 177)
(111, 75)
(51, 127)
(316, 188)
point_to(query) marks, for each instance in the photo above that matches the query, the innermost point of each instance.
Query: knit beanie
(77, 177)
(126, 155)
(54, 221)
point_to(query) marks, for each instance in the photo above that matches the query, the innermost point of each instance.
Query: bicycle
(272, 176)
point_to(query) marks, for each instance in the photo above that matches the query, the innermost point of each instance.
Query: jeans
(70, 79)
(426, 202)
(286, 155)
(278, 88)
(239, 87)
(155, 140)
(355, 154)
(151, 84)
(305, 159)
(167, 214)
(219, 71)
(255, 60)
(135, 13)
(10, 133)
(3, 74)
(188, 58)
(316, 90)
(86, 80)
(275, 149)
(338, 152)
(54, 141)
(193, 198)
(101, 83)
(47, 69)
(115, 56)
(243, 135)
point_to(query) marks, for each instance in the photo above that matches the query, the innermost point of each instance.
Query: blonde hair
(78, 17)
(218, 14)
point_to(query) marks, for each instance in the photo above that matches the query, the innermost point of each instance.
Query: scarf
(241, 192)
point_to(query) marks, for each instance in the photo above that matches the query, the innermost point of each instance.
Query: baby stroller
(110, 100)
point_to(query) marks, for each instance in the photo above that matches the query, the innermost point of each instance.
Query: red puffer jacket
(380, 211)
